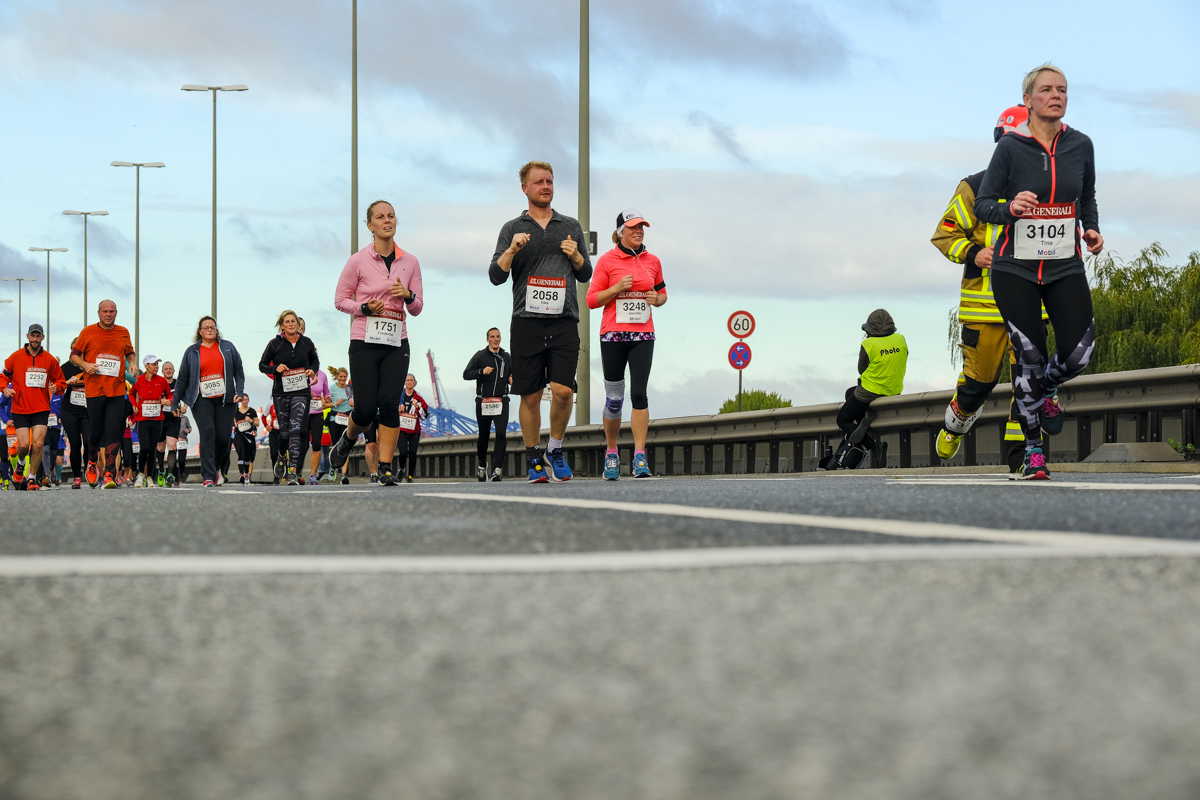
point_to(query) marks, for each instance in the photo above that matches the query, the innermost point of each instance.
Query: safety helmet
(1010, 120)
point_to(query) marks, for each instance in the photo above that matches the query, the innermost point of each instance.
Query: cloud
(722, 133)
(15, 263)
(278, 242)
(1175, 109)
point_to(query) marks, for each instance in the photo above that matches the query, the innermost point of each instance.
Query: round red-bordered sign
(739, 355)
(740, 324)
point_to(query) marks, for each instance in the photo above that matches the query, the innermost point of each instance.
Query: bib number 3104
(1046, 232)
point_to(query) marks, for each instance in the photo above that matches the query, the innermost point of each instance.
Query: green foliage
(755, 400)
(1181, 448)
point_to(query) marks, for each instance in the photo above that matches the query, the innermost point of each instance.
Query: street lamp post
(20, 282)
(47, 251)
(191, 87)
(137, 245)
(85, 215)
(353, 127)
(583, 400)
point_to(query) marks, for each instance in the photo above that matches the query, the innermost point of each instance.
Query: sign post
(741, 325)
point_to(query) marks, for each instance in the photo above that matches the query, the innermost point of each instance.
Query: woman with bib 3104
(1049, 172)
(379, 287)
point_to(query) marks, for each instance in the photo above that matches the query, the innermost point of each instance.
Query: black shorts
(543, 351)
(170, 427)
(370, 433)
(30, 420)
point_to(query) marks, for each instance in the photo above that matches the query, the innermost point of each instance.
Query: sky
(793, 160)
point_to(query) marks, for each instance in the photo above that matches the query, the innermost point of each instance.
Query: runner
(150, 395)
(628, 282)
(1049, 172)
(30, 376)
(181, 449)
(9, 462)
(50, 470)
(379, 287)
(271, 421)
(211, 381)
(75, 419)
(342, 398)
(170, 434)
(491, 369)
(984, 339)
(105, 353)
(128, 456)
(541, 250)
(291, 360)
(245, 421)
(413, 409)
(320, 400)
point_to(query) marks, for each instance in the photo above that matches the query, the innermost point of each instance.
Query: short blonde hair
(1032, 76)
(287, 313)
(531, 166)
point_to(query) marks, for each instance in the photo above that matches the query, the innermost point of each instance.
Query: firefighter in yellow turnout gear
(965, 240)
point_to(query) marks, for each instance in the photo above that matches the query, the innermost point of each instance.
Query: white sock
(553, 444)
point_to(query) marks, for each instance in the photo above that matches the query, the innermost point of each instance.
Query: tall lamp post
(137, 245)
(353, 127)
(583, 400)
(20, 282)
(85, 215)
(47, 251)
(191, 87)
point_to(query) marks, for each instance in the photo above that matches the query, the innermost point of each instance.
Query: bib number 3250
(545, 295)
(1046, 232)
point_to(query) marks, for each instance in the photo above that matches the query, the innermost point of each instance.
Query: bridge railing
(1138, 406)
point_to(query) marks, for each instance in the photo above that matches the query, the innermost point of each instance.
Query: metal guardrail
(1137, 406)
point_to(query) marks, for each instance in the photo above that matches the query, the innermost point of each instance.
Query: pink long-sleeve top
(365, 277)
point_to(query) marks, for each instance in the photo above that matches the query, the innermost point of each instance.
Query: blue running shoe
(612, 467)
(537, 473)
(640, 468)
(557, 463)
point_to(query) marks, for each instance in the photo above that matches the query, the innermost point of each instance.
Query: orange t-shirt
(107, 349)
(30, 377)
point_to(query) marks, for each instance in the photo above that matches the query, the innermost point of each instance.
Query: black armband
(365, 308)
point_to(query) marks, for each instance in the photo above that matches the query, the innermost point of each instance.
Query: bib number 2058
(545, 295)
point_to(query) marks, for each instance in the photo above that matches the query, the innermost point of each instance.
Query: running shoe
(292, 478)
(18, 480)
(33, 486)
(557, 463)
(345, 479)
(641, 469)
(386, 478)
(374, 477)
(170, 480)
(109, 481)
(1034, 467)
(312, 480)
(77, 484)
(497, 475)
(948, 444)
(537, 473)
(1052, 421)
(409, 479)
(220, 479)
(91, 475)
(46, 483)
(612, 467)
(161, 480)
(140, 482)
(481, 473)
(340, 452)
(209, 485)
(280, 466)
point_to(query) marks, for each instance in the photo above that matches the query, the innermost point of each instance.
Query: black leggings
(378, 372)
(335, 430)
(149, 432)
(639, 356)
(485, 432)
(1068, 302)
(106, 419)
(292, 410)
(406, 452)
(246, 449)
(851, 413)
(76, 429)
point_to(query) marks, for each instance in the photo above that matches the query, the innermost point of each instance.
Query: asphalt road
(814, 637)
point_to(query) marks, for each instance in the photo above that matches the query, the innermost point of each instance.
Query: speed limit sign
(741, 324)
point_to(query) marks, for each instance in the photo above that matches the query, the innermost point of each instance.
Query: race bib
(181, 444)
(212, 386)
(545, 295)
(632, 308)
(137, 447)
(1046, 232)
(12, 441)
(408, 422)
(384, 329)
(79, 398)
(151, 409)
(316, 405)
(294, 380)
(35, 377)
(108, 366)
(245, 425)
(491, 406)
(341, 419)
(52, 421)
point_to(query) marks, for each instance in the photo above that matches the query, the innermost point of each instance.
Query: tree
(755, 400)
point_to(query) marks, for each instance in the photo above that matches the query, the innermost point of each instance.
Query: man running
(541, 249)
(170, 433)
(104, 352)
(30, 376)
(491, 369)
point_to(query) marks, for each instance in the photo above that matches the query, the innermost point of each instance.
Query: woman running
(379, 287)
(245, 426)
(627, 282)
(341, 396)
(150, 395)
(211, 380)
(413, 409)
(318, 385)
(1048, 172)
(75, 419)
(291, 360)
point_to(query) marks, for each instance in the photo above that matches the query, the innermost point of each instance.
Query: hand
(181, 410)
(983, 259)
(652, 297)
(397, 290)
(89, 368)
(570, 247)
(281, 368)
(625, 284)
(1095, 242)
(376, 306)
(518, 241)
(310, 373)
(488, 370)
(1023, 203)
(74, 379)
(8, 392)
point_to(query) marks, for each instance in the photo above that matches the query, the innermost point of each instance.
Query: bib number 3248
(545, 295)
(1046, 232)
(632, 308)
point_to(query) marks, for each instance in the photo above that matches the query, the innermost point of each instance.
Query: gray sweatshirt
(542, 256)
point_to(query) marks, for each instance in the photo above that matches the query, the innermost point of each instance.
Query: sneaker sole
(542, 479)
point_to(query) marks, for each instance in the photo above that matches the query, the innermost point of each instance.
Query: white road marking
(1051, 484)
(887, 527)
(634, 561)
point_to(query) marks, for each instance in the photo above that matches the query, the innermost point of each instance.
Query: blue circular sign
(739, 355)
